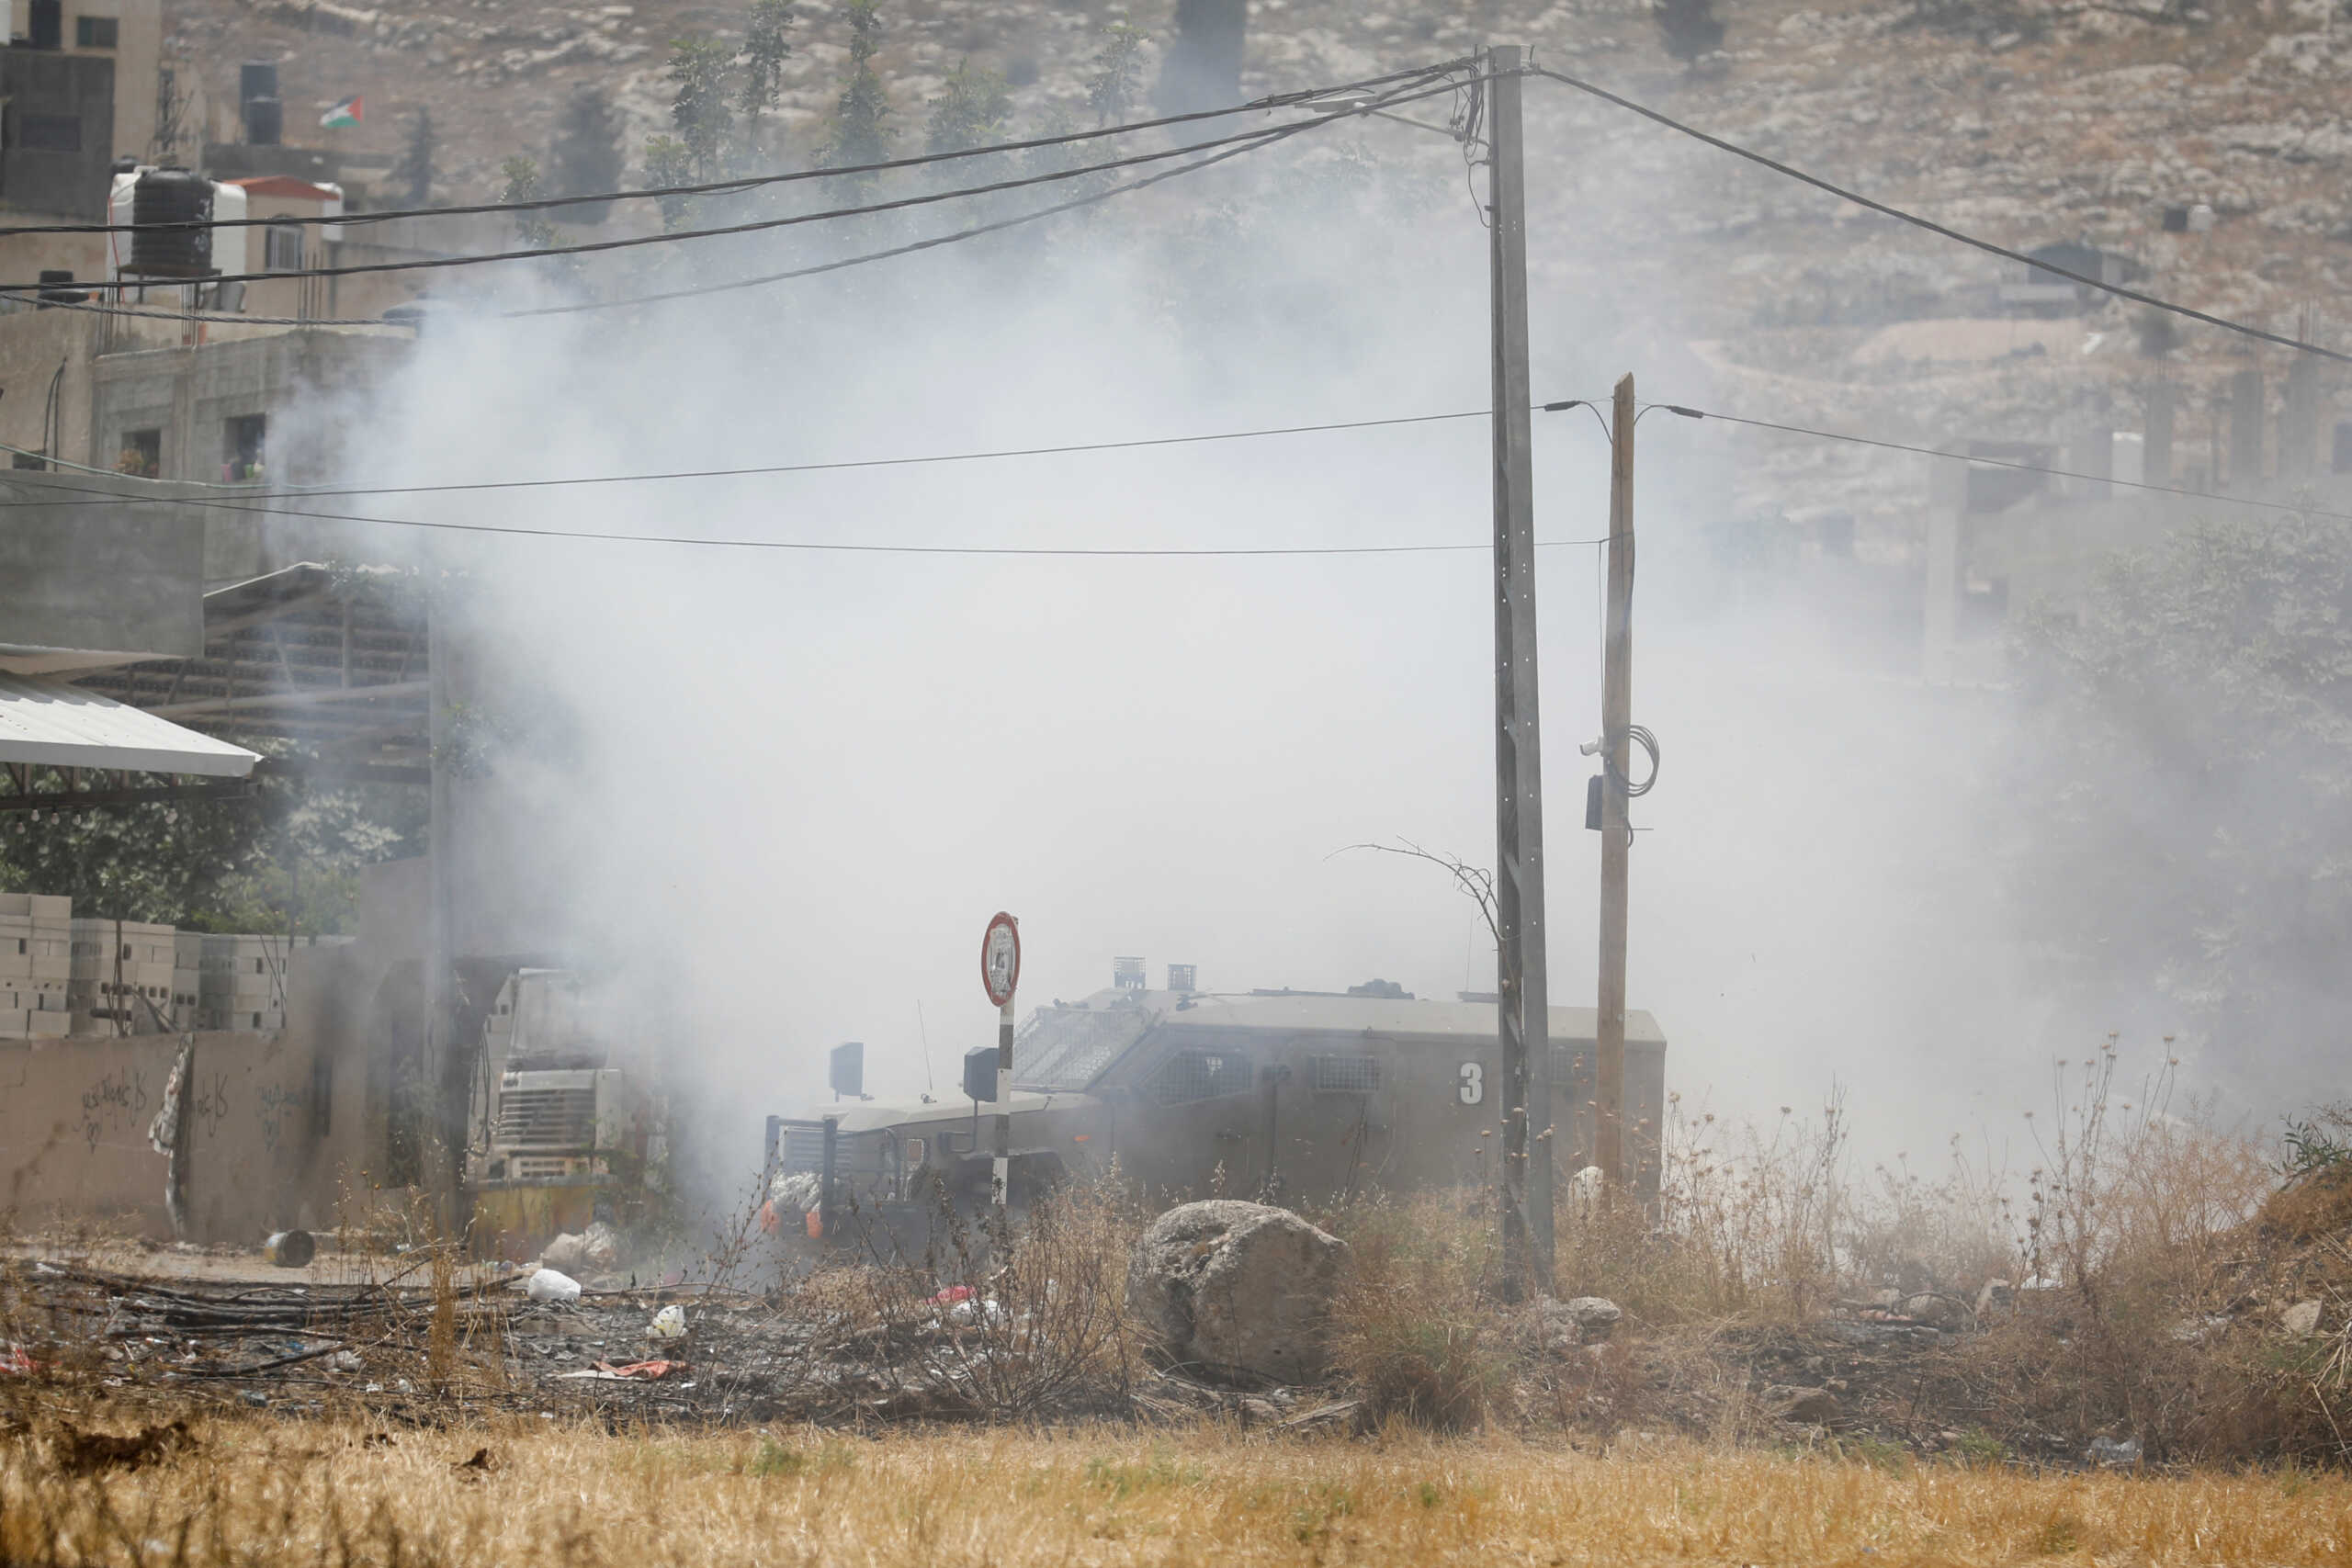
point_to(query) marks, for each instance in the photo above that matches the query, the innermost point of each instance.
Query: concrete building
(211, 399)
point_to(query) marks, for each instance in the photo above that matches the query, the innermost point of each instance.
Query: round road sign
(1001, 958)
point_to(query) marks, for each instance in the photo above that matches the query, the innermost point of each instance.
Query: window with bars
(282, 248)
(1190, 1076)
(1347, 1075)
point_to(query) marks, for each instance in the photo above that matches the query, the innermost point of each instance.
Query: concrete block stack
(244, 983)
(118, 967)
(35, 937)
(187, 980)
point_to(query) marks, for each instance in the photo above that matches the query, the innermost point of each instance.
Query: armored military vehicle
(1306, 1095)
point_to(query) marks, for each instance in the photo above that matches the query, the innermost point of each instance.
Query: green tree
(972, 110)
(860, 132)
(288, 850)
(1689, 28)
(523, 184)
(1111, 91)
(766, 46)
(586, 157)
(668, 164)
(700, 111)
(2181, 804)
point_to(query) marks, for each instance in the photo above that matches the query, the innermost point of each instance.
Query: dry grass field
(258, 1491)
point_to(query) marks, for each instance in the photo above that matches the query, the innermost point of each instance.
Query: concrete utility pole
(1522, 1012)
(448, 1144)
(1616, 836)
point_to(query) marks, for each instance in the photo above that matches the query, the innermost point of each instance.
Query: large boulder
(1230, 1288)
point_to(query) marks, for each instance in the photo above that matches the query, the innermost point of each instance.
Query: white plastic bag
(546, 1285)
(669, 1323)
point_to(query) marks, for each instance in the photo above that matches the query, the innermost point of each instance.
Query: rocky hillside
(2026, 121)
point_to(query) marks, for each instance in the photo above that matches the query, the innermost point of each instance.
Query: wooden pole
(1616, 836)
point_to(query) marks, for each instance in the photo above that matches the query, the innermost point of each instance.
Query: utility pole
(1616, 751)
(1522, 1012)
(447, 1146)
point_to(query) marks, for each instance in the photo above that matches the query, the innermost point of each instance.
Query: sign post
(999, 974)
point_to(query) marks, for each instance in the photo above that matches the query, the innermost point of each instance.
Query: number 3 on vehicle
(1474, 1083)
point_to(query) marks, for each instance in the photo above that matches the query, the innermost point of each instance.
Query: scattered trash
(88, 1453)
(2113, 1455)
(627, 1371)
(568, 1251)
(290, 1249)
(345, 1362)
(546, 1285)
(255, 1398)
(669, 1323)
(603, 1247)
(971, 1314)
(955, 1293)
(14, 1359)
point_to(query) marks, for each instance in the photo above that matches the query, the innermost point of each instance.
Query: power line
(1932, 227)
(1249, 143)
(633, 242)
(811, 546)
(753, 182)
(307, 493)
(1689, 412)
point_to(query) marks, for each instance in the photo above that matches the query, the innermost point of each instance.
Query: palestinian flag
(350, 111)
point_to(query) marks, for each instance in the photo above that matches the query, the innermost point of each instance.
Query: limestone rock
(1814, 1407)
(2301, 1320)
(1230, 1287)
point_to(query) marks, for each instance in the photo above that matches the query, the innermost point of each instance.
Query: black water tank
(56, 287)
(265, 122)
(257, 79)
(171, 195)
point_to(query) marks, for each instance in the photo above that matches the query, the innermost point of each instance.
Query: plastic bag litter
(669, 1323)
(546, 1285)
(972, 1313)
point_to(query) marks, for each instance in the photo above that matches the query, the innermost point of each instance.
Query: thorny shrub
(1415, 1327)
(1004, 1319)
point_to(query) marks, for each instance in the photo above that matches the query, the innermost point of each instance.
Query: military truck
(1309, 1096)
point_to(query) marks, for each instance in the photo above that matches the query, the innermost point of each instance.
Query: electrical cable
(1648, 742)
(754, 182)
(1252, 141)
(1932, 226)
(1688, 413)
(307, 493)
(633, 242)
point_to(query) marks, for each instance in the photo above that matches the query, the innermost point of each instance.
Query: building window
(49, 133)
(242, 440)
(1190, 1076)
(94, 32)
(1347, 1075)
(142, 454)
(282, 248)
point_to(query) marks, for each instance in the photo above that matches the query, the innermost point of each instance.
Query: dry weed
(255, 1492)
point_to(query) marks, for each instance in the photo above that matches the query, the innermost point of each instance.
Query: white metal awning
(53, 725)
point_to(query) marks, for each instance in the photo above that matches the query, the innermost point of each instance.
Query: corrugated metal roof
(53, 725)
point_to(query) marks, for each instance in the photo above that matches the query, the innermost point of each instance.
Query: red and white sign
(1001, 958)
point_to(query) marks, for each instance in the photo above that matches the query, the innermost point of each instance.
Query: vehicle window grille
(1189, 1076)
(804, 1149)
(1067, 1048)
(1347, 1075)
(546, 1118)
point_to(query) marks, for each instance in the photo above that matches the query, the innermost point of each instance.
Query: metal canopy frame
(306, 654)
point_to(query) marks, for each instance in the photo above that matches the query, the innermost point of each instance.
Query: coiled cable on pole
(1648, 742)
